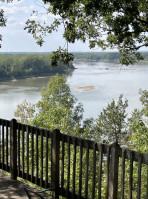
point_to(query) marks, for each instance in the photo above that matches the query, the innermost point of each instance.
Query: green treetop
(138, 125)
(111, 124)
(58, 108)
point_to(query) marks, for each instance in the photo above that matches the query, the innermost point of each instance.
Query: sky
(16, 39)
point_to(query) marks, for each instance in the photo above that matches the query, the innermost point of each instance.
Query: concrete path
(12, 189)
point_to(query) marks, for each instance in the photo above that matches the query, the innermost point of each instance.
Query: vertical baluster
(0, 147)
(139, 178)
(13, 149)
(100, 170)
(32, 152)
(41, 176)
(68, 169)
(94, 171)
(18, 152)
(123, 174)
(80, 170)
(107, 172)
(46, 179)
(3, 146)
(7, 155)
(147, 183)
(55, 162)
(86, 173)
(131, 176)
(27, 152)
(51, 157)
(63, 155)
(37, 158)
(74, 167)
(23, 151)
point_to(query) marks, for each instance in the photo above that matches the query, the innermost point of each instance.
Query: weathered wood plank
(86, 173)
(139, 179)
(100, 170)
(68, 170)
(32, 153)
(74, 167)
(123, 174)
(131, 176)
(94, 171)
(47, 153)
(80, 170)
(41, 162)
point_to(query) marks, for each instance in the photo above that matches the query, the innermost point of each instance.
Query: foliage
(62, 56)
(138, 125)
(2, 22)
(104, 24)
(111, 124)
(144, 101)
(138, 129)
(2, 16)
(18, 66)
(25, 112)
(58, 108)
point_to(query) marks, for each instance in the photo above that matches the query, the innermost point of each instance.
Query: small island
(85, 88)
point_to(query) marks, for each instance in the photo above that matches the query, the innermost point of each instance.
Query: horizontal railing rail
(73, 166)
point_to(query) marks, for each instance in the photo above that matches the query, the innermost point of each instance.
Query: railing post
(55, 163)
(13, 149)
(113, 171)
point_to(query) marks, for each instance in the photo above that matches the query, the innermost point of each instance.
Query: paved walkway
(11, 189)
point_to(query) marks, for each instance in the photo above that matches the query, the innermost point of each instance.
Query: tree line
(20, 66)
(102, 56)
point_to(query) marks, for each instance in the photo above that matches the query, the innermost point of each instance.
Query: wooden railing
(74, 167)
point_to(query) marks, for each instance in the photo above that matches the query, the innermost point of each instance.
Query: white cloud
(15, 9)
(17, 23)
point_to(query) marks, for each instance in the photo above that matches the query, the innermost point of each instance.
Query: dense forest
(27, 65)
(102, 56)
(21, 65)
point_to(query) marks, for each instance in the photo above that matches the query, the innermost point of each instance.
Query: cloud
(15, 9)
(16, 23)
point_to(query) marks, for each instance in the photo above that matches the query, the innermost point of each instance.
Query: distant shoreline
(22, 65)
(68, 72)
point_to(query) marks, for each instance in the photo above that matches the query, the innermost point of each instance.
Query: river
(108, 81)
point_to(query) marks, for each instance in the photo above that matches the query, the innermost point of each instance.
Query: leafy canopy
(121, 24)
(138, 125)
(58, 108)
(111, 124)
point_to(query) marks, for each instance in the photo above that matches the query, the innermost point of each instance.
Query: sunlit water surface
(109, 81)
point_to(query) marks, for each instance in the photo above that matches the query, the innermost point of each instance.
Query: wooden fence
(74, 167)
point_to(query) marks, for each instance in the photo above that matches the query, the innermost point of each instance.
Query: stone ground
(12, 189)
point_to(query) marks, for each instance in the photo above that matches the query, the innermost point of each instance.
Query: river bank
(18, 66)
